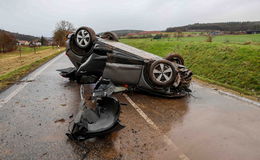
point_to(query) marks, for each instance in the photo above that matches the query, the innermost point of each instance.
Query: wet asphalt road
(34, 117)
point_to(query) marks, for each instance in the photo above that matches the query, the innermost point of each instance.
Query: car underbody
(116, 67)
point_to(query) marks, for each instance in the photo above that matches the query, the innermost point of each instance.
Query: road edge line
(30, 77)
(181, 155)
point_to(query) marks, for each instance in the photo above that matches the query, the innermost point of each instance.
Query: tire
(110, 36)
(162, 73)
(78, 51)
(85, 37)
(176, 58)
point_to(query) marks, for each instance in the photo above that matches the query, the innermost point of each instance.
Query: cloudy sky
(38, 17)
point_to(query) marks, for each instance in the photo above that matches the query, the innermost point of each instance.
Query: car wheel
(176, 58)
(85, 37)
(162, 73)
(110, 36)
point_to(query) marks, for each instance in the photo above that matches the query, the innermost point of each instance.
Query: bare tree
(7, 42)
(63, 28)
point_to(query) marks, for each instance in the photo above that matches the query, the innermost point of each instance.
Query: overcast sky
(38, 17)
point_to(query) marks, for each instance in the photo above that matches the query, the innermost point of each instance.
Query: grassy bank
(228, 39)
(13, 67)
(231, 65)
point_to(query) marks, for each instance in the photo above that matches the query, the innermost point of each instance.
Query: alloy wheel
(83, 38)
(162, 72)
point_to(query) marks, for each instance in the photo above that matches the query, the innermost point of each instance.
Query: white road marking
(239, 98)
(181, 155)
(31, 78)
(234, 96)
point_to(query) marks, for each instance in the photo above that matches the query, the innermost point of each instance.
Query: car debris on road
(104, 118)
(116, 67)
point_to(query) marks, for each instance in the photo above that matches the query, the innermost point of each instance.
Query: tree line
(228, 26)
(8, 40)
(21, 36)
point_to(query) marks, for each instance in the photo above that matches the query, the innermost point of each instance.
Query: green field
(13, 66)
(24, 51)
(239, 39)
(234, 66)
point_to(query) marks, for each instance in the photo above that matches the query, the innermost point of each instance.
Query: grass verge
(232, 66)
(15, 75)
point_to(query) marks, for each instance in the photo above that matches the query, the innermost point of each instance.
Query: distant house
(215, 33)
(23, 43)
(38, 43)
(131, 34)
(253, 32)
(35, 43)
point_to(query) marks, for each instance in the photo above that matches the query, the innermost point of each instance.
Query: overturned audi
(111, 65)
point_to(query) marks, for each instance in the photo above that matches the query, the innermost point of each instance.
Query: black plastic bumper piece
(100, 121)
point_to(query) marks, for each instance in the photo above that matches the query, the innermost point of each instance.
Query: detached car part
(109, 63)
(98, 121)
(90, 123)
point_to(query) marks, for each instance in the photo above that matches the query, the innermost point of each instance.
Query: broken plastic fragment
(90, 123)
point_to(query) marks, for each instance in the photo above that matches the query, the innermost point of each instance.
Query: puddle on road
(206, 125)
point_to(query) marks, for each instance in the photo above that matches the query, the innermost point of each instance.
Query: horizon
(40, 17)
(135, 29)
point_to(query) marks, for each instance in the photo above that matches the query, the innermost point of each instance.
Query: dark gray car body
(126, 65)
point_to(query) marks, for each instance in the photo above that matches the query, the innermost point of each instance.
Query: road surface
(208, 125)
